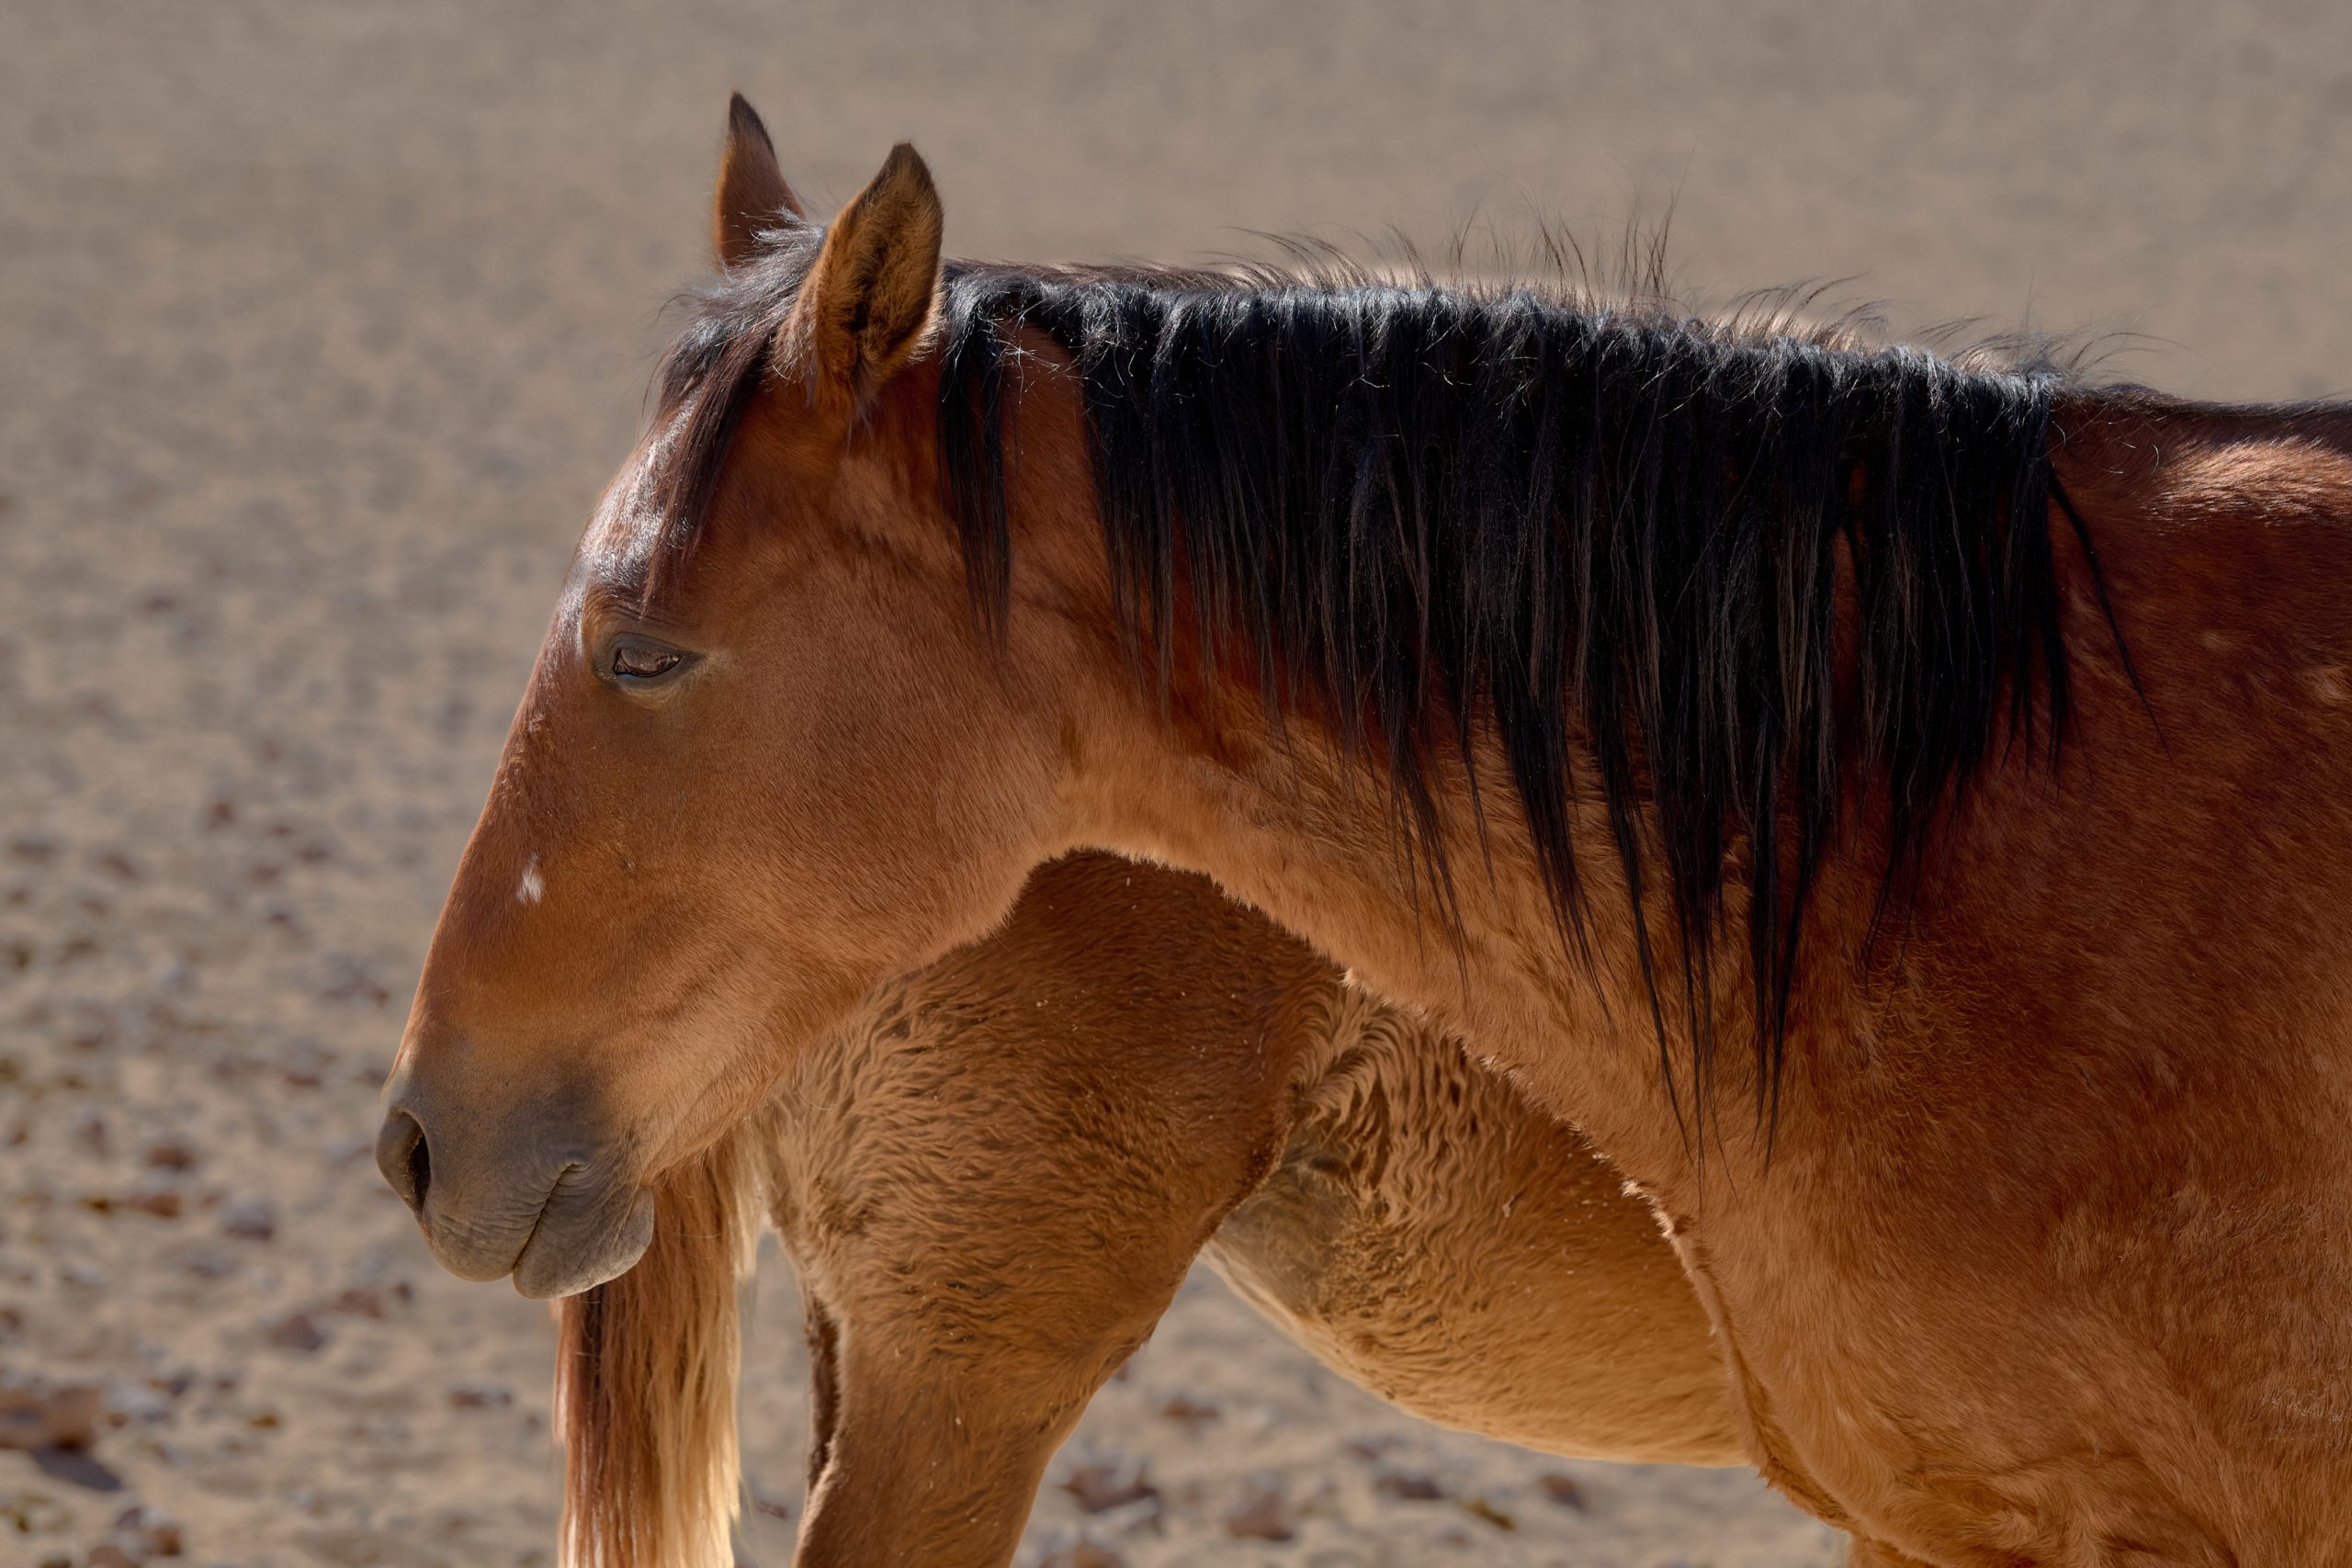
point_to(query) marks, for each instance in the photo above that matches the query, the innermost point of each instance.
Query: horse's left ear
(752, 195)
(872, 293)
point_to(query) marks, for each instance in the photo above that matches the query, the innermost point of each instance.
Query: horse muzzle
(514, 1198)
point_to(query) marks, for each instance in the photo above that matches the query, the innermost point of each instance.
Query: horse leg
(976, 1276)
(825, 1336)
(902, 1469)
(930, 1458)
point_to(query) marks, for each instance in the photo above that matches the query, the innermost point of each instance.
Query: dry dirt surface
(322, 326)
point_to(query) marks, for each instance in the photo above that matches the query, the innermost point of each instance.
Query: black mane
(1614, 535)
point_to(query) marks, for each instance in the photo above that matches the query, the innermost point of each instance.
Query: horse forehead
(626, 526)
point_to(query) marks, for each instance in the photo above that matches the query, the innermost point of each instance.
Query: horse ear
(751, 192)
(872, 292)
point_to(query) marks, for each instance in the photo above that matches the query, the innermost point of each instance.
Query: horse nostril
(404, 1158)
(420, 1169)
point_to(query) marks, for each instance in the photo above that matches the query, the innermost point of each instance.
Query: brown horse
(1670, 709)
(993, 1180)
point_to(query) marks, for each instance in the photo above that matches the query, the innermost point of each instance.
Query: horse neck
(1283, 824)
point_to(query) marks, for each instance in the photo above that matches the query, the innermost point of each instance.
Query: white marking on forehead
(627, 520)
(651, 461)
(533, 887)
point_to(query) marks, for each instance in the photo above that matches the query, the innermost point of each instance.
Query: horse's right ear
(751, 192)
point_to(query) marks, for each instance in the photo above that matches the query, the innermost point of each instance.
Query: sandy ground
(320, 328)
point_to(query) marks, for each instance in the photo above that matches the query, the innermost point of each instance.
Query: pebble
(358, 1302)
(76, 1467)
(478, 1394)
(1189, 1412)
(33, 848)
(141, 1533)
(1563, 1489)
(1264, 1514)
(33, 1513)
(1407, 1485)
(90, 1132)
(1145, 1515)
(169, 1154)
(161, 1201)
(1480, 1508)
(132, 1400)
(208, 1263)
(38, 1413)
(1102, 1486)
(1083, 1553)
(255, 1219)
(297, 1332)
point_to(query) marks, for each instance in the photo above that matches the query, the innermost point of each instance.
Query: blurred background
(320, 327)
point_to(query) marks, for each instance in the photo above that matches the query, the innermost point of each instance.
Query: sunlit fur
(2042, 1256)
(992, 1181)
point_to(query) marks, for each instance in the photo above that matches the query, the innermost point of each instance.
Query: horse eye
(644, 662)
